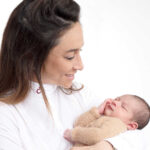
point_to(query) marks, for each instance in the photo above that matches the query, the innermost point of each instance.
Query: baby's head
(131, 109)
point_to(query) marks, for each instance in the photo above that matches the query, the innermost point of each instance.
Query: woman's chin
(67, 85)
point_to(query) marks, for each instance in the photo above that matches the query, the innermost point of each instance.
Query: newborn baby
(113, 116)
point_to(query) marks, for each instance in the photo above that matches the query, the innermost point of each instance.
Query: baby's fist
(101, 108)
(67, 135)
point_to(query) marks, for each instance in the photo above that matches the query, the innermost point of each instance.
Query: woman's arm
(130, 140)
(9, 134)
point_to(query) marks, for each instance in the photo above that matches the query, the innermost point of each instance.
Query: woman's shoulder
(7, 113)
(4, 106)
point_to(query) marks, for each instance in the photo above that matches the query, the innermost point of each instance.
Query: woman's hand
(101, 108)
(103, 145)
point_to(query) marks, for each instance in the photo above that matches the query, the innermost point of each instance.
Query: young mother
(40, 55)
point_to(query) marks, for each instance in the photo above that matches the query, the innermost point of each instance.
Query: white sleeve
(9, 134)
(125, 141)
(130, 140)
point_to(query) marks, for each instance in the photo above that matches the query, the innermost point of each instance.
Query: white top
(28, 125)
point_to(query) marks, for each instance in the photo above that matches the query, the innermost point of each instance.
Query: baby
(127, 112)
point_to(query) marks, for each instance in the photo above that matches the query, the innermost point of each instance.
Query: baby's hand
(101, 108)
(67, 135)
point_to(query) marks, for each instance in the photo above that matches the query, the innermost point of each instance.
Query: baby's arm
(87, 117)
(108, 127)
(91, 115)
(87, 136)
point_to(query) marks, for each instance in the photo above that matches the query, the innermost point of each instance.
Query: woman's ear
(132, 125)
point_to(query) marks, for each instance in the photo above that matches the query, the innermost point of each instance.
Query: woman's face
(64, 60)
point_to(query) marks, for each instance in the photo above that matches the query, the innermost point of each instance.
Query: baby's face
(122, 107)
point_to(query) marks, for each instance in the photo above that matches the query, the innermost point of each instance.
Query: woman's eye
(69, 58)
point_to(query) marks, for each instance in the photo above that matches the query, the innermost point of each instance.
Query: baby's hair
(142, 116)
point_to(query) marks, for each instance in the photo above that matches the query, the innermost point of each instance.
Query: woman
(40, 55)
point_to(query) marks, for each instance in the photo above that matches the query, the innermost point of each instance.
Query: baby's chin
(107, 112)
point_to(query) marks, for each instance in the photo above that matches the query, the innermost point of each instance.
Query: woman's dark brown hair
(33, 29)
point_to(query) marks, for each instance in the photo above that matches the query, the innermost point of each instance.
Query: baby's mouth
(109, 106)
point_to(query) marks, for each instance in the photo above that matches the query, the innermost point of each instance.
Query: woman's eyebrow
(71, 50)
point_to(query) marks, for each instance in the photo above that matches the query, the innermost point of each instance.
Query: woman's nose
(78, 64)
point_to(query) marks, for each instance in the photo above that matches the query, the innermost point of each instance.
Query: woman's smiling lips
(70, 76)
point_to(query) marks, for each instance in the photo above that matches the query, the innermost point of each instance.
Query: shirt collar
(49, 88)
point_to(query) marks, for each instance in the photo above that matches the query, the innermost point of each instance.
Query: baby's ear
(132, 125)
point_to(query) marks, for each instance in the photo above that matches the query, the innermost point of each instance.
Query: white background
(116, 54)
